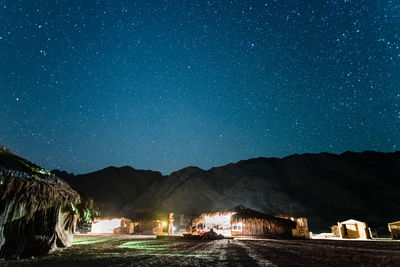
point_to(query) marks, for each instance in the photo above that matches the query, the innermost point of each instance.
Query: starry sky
(163, 85)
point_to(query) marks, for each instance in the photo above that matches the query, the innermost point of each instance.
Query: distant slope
(112, 187)
(325, 188)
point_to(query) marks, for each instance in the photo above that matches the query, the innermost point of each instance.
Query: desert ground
(113, 250)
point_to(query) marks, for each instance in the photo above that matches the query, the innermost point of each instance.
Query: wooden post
(75, 223)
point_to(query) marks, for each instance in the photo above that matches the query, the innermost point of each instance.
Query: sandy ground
(102, 250)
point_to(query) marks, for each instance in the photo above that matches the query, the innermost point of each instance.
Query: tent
(394, 229)
(351, 229)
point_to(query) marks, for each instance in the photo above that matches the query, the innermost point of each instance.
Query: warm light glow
(164, 224)
(144, 245)
(221, 224)
(87, 240)
(237, 227)
(105, 226)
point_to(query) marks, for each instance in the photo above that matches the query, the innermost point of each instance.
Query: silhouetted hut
(150, 227)
(37, 209)
(394, 229)
(301, 230)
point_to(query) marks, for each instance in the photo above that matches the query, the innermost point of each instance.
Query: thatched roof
(99, 219)
(241, 212)
(10, 161)
(37, 194)
(36, 188)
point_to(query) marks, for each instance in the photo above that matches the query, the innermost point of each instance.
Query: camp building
(242, 221)
(394, 229)
(112, 225)
(351, 229)
(152, 227)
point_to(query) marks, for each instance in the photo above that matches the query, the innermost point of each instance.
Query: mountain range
(325, 188)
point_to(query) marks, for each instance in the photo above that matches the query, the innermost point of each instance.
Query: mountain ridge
(323, 187)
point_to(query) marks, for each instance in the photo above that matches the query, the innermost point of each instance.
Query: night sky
(163, 85)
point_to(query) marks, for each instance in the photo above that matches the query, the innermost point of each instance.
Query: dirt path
(328, 252)
(125, 251)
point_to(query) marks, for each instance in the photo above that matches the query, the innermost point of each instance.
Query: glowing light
(143, 245)
(221, 224)
(164, 224)
(237, 227)
(174, 255)
(85, 241)
(106, 226)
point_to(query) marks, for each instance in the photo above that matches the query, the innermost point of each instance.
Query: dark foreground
(125, 251)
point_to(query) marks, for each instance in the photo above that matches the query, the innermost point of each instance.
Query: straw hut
(394, 229)
(242, 221)
(37, 209)
(352, 229)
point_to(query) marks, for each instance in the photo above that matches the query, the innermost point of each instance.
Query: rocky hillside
(325, 188)
(112, 187)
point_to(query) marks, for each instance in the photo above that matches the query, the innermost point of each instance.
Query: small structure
(394, 229)
(112, 225)
(301, 230)
(335, 231)
(153, 227)
(183, 223)
(352, 229)
(242, 221)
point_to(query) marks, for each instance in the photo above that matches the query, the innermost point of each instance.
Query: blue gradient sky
(166, 84)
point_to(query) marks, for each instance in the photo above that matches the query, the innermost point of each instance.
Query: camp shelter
(242, 221)
(394, 229)
(353, 229)
(37, 209)
(112, 225)
(335, 231)
(301, 230)
(150, 227)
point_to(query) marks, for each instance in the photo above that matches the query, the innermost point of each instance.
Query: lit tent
(352, 229)
(394, 229)
(36, 209)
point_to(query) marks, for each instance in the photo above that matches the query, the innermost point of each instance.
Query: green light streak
(85, 241)
(87, 216)
(39, 170)
(74, 209)
(173, 255)
(143, 245)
